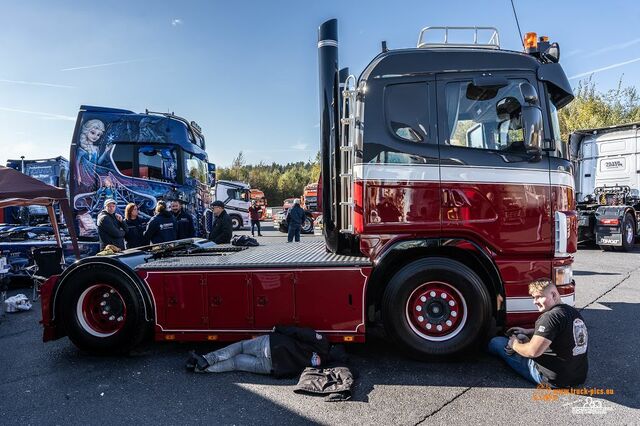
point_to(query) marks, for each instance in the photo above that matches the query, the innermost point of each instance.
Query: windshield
(195, 168)
(561, 146)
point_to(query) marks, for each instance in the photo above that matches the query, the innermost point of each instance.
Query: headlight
(562, 275)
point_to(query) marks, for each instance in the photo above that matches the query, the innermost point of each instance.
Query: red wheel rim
(101, 310)
(436, 311)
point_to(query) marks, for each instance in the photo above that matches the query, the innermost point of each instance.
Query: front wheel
(101, 310)
(236, 222)
(436, 306)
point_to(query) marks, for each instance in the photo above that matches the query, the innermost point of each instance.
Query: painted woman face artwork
(90, 134)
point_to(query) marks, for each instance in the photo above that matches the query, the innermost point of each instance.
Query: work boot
(196, 362)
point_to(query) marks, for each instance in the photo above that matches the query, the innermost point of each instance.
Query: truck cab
(606, 163)
(236, 197)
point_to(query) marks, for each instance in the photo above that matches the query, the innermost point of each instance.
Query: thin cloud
(45, 115)
(36, 83)
(608, 67)
(107, 64)
(618, 46)
(176, 22)
(299, 146)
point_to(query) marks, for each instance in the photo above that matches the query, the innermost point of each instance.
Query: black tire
(474, 301)
(236, 222)
(607, 248)
(125, 301)
(307, 225)
(283, 227)
(628, 232)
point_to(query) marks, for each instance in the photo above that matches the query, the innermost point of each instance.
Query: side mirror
(552, 54)
(212, 173)
(529, 93)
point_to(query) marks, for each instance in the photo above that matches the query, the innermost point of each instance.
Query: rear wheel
(101, 311)
(436, 306)
(628, 232)
(236, 222)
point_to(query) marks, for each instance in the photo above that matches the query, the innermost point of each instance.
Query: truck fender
(140, 286)
(405, 251)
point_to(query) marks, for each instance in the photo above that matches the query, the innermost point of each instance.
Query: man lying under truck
(554, 352)
(284, 352)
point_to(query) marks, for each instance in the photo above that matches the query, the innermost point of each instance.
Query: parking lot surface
(55, 383)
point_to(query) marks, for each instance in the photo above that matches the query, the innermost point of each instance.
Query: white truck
(607, 175)
(236, 197)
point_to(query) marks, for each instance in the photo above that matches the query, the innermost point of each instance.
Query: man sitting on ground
(554, 352)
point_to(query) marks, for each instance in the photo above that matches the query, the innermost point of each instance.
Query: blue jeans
(294, 231)
(523, 366)
(252, 355)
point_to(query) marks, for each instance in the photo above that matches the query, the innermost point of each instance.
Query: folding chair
(47, 262)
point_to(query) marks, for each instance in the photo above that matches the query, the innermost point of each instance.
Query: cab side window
(407, 111)
(484, 117)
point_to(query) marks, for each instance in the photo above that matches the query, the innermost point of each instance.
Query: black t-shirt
(565, 363)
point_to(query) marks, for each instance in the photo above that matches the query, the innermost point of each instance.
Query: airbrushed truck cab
(445, 190)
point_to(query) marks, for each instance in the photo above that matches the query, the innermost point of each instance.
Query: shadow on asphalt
(614, 361)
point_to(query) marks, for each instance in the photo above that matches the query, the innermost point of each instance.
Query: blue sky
(246, 71)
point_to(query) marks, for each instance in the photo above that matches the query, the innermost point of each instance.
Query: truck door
(399, 174)
(492, 190)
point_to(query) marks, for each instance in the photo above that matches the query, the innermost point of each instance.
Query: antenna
(517, 23)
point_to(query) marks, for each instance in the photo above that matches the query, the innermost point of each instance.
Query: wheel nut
(451, 303)
(105, 295)
(111, 318)
(432, 294)
(420, 318)
(443, 295)
(104, 312)
(103, 303)
(439, 328)
(418, 308)
(429, 326)
(423, 299)
(112, 291)
(454, 314)
(119, 319)
(449, 323)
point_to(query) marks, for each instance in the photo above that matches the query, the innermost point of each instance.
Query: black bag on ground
(244, 241)
(335, 382)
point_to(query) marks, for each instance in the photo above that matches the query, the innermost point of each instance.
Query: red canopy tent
(18, 189)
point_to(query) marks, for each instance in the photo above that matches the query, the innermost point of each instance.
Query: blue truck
(130, 157)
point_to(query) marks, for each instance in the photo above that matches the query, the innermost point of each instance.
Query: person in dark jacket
(111, 226)
(137, 226)
(284, 352)
(295, 219)
(162, 227)
(255, 212)
(184, 221)
(222, 228)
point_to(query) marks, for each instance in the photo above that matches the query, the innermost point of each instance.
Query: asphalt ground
(55, 383)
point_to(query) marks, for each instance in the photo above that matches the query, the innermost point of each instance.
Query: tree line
(277, 181)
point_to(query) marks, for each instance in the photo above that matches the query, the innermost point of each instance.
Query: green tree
(593, 109)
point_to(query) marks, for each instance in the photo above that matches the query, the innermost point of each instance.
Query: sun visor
(559, 87)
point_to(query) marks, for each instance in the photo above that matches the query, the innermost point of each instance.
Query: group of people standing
(133, 231)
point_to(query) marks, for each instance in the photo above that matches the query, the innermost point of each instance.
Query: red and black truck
(445, 190)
